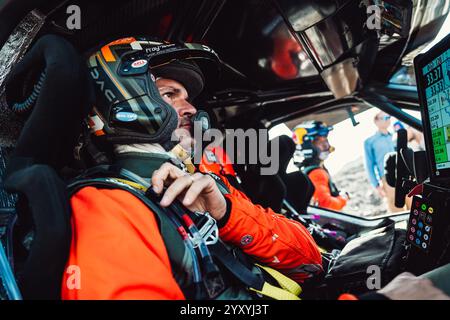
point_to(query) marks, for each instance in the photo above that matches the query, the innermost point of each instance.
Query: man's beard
(185, 123)
(183, 134)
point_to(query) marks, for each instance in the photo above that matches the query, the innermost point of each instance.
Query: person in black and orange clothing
(312, 142)
(122, 242)
(138, 219)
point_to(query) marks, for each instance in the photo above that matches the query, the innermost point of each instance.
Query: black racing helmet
(129, 108)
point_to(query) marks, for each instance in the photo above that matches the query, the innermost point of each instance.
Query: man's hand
(380, 191)
(197, 192)
(406, 286)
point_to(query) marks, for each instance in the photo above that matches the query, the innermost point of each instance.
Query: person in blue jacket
(375, 149)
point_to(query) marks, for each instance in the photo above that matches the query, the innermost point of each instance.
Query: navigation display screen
(437, 94)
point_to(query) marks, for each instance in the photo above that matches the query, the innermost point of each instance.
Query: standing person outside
(375, 149)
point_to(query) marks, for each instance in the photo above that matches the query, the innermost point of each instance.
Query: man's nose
(186, 109)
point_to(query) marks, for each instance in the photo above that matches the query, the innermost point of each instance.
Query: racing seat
(42, 235)
(8, 217)
(269, 191)
(272, 192)
(299, 188)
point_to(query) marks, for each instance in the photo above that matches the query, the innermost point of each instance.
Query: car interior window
(347, 165)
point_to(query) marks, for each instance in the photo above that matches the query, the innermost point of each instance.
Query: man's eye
(168, 95)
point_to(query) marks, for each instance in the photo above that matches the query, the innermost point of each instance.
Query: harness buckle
(208, 229)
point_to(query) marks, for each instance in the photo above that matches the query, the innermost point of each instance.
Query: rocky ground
(363, 200)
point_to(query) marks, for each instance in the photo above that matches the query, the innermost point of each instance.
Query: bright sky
(349, 140)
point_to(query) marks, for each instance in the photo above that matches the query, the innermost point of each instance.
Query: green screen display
(437, 92)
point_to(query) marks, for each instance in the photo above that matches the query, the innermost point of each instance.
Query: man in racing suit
(312, 137)
(117, 246)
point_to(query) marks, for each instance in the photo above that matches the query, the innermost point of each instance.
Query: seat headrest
(287, 149)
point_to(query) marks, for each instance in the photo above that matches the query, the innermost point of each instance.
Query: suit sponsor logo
(126, 116)
(246, 240)
(139, 64)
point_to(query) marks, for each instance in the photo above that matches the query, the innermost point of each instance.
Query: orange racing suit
(120, 253)
(323, 195)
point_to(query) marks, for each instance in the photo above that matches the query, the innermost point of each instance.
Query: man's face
(322, 143)
(175, 94)
(382, 121)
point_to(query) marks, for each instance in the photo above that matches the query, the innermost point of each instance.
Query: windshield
(347, 164)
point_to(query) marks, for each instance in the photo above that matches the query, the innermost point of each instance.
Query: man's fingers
(176, 189)
(196, 188)
(165, 172)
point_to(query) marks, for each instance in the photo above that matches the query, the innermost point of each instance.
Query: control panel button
(411, 237)
(429, 219)
(430, 210)
(424, 207)
(414, 221)
(418, 242)
(413, 230)
(420, 225)
(427, 228)
(419, 233)
(416, 212)
(425, 237)
(424, 245)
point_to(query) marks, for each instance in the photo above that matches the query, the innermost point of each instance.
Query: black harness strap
(236, 267)
(219, 251)
(333, 188)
